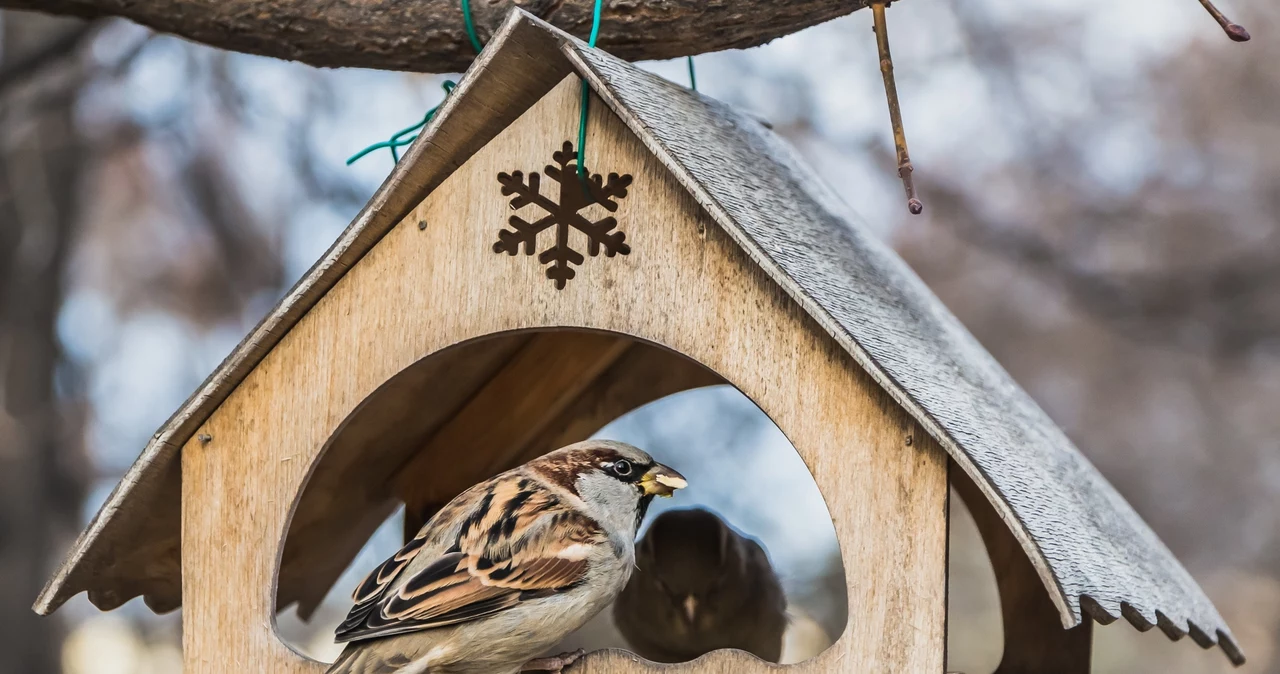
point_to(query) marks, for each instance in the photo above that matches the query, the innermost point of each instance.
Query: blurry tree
(1124, 264)
(1122, 260)
(41, 466)
(137, 203)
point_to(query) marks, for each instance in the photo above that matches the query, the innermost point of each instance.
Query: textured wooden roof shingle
(1093, 552)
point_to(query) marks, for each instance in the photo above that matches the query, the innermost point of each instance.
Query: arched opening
(975, 629)
(1028, 629)
(470, 411)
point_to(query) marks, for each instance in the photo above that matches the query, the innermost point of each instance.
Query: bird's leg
(555, 665)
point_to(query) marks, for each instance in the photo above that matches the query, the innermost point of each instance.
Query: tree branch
(429, 36)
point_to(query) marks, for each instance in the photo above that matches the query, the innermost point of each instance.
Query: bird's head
(699, 586)
(614, 478)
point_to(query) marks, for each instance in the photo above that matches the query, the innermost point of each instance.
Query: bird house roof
(1091, 550)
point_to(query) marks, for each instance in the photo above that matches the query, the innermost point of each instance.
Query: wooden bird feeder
(490, 305)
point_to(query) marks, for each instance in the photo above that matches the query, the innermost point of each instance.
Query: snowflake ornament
(576, 194)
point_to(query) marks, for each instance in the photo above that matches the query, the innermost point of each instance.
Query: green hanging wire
(471, 26)
(693, 77)
(586, 98)
(397, 141)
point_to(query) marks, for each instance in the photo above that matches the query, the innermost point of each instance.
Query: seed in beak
(660, 480)
(672, 481)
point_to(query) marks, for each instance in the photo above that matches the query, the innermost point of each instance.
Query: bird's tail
(356, 660)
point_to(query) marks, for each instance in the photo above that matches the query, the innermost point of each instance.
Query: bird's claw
(555, 664)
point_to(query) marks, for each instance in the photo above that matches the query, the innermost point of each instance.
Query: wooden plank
(486, 436)
(642, 375)
(684, 286)
(1035, 640)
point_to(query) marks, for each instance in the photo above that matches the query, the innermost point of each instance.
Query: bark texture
(429, 35)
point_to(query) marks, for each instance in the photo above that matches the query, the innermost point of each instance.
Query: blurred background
(1102, 192)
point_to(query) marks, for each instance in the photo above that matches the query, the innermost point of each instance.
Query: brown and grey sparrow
(700, 586)
(508, 568)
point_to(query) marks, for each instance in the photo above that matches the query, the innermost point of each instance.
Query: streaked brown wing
(520, 542)
(381, 577)
(372, 590)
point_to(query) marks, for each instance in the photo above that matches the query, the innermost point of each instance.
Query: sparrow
(700, 586)
(508, 568)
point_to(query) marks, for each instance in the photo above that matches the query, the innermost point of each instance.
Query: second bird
(700, 586)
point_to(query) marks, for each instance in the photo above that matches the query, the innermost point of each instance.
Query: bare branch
(429, 36)
(53, 48)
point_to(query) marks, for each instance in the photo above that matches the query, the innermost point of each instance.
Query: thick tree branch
(428, 35)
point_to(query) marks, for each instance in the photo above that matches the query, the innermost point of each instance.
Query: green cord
(595, 25)
(396, 140)
(586, 98)
(693, 77)
(582, 131)
(471, 27)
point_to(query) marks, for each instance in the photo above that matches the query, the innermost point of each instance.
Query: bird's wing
(518, 542)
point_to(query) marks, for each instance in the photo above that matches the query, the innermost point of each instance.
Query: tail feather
(358, 660)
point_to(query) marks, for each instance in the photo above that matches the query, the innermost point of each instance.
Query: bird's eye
(622, 467)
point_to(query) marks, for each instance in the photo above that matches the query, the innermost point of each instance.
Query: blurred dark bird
(700, 586)
(508, 568)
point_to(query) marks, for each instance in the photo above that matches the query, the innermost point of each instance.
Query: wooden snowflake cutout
(576, 194)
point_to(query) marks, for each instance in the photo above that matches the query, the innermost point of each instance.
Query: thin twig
(1234, 30)
(895, 111)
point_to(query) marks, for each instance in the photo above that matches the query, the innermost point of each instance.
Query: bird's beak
(661, 480)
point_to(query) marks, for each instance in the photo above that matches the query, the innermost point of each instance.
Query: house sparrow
(508, 568)
(700, 586)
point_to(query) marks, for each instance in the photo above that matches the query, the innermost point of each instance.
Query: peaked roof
(1088, 545)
